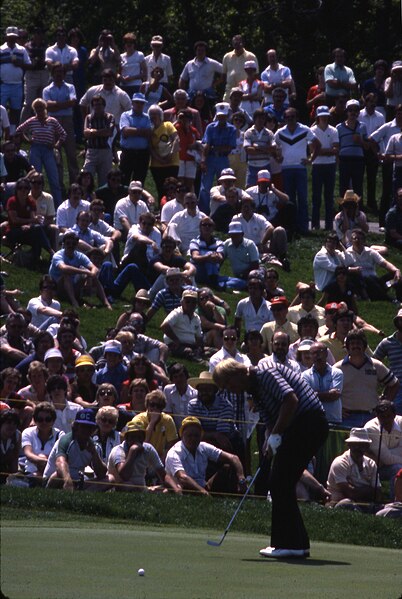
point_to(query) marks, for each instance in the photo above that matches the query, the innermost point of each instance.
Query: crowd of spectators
(229, 156)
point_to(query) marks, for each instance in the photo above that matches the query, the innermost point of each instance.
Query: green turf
(101, 561)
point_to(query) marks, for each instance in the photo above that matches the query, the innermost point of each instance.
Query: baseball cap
(135, 185)
(235, 228)
(398, 315)
(138, 97)
(331, 307)
(190, 294)
(322, 111)
(396, 65)
(263, 175)
(250, 64)
(112, 346)
(134, 426)
(227, 174)
(157, 40)
(188, 421)
(352, 103)
(86, 416)
(84, 361)
(279, 300)
(12, 32)
(173, 272)
(53, 353)
(222, 108)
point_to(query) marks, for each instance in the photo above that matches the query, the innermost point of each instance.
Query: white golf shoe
(284, 553)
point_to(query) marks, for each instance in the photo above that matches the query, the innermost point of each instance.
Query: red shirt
(22, 210)
(187, 138)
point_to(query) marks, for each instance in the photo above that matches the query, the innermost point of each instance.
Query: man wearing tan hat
(182, 328)
(187, 462)
(352, 478)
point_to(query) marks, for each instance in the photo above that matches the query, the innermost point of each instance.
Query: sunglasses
(44, 419)
(230, 337)
(106, 392)
(108, 421)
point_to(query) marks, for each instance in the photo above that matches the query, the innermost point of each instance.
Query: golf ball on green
(141, 572)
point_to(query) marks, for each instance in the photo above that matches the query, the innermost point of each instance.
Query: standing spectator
(61, 98)
(293, 140)
(136, 132)
(133, 68)
(376, 85)
(36, 74)
(233, 62)
(252, 88)
(339, 79)
(316, 94)
(45, 134)
(259, 145)
(277, 75)
(352, 143)
(63, 53)
(324, 168)
(189, 146)
(98, 132)
(393, 154)
(373, 120)
(199, 73)
(158, 59)
(164, 146)
(181, 98)
(390, 348)
(106, 55)
(76, 40)
(13, 59)
(117, 101)
(393, 88)
(393, 222)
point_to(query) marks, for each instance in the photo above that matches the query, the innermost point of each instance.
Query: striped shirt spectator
(106, 121)
(46, 134)
(218, 417)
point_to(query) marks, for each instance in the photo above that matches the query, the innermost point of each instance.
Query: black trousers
(134, 165)
(300, 443)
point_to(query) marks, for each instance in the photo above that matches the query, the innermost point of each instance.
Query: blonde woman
(106, 436)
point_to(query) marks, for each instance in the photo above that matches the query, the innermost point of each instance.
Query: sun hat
(86, 416)
(188, 421)
(84, 361)
(142, 295)
(53, 353)
(190, 293)
(112, 346)
(358, 435)
(398, 315)
(204, 378)
(235, 228)
(227, 174)
(173, 272)
(350, 196)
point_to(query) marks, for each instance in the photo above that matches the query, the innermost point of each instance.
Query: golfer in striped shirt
(296, 429)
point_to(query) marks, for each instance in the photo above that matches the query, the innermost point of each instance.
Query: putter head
(215, 543)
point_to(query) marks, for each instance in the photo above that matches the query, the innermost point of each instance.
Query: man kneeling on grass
(187, 462)
(131, 460)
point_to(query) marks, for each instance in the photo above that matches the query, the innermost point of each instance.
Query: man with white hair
(181, 99)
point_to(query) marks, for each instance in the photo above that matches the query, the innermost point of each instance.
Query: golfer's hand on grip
(272, 443)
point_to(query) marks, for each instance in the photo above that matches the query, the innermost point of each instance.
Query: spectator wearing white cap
(227, 181)
(352, 143)
(219, 140)
(242, 253)
(233, 65)
(14, 60)
(129, 209)
(158, 59)
(252, 88)
(324, 168)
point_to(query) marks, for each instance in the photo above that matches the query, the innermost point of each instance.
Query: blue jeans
(252, 171)
(323, 177)
(295, 185)
(42, 155)
(115, 286)
(215, 164)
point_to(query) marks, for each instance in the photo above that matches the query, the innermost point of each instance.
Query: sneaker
(284, 553)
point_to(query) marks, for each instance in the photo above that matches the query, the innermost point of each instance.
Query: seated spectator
(167, 258)
(254, 311)
(106, 437)
(178, 393)
(10, 445)
(37, 441)
(88, 237)
(129, 209)
(222, 217)
(82, 389)
(218, 194)
(172, 202)
(303, 355)
(362, 262)
(229, 349)
(129, 462)
(361, 372)
(114, 372)
(169, 297)
(207, 253)
(271, 278)
(67, 212)
(186, 224)
(160, 429)
(98, 222)
(326, 260)
(141, 367)
(17, 166)
(87, 182)
(242, 253)
(65, 340)
(24, 226)
(307, 328)
(280, 353)
(253, 342)
(187, 462)
(138, 389)
(335, 341)
(66, 411)
(70, 268)
(307, 306)
(256, 227)
(42, 343)
(106, 395)
(37, 376)
(213, 317)
(54, 362)
(385, 432)
(44, 207)
(390, 347)
(352, 479)
(394, 509)
(327, 382)
(143, 242)
(112, 191)
(279, 309)
(44, 308)
(72, 453)
(350, 217)
(127, 338)
(393, 222)
(182, 330)
(341, 289)
(14, 347)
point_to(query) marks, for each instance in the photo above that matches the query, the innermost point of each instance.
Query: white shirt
(171, 208)
(44, 204)
(65, 55)
(155, 235)
(186, 329)
(345, 470)
(66, 215)
(373, 121)
(162, 61)
(328, 137)
(126, 208)
(294, 145)
(117, 101)
(223, 354)
(253, 320)
(187, 227)
(39, 302)
(384, 133)
(10, 73)
(255, 228)
(131, 66)
(66, 417)
(368, 259)
(148, 459)
(30, 437)
(324, 265)
(179, 458)
(391, 442)
(176, 404)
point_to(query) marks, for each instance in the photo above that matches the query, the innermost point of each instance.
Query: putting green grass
(100, 561)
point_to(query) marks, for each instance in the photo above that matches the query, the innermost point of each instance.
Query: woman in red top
(188, 137)
(24, 226)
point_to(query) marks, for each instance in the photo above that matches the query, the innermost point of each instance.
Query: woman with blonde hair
(106, 436)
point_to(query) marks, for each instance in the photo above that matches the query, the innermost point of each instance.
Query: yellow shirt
(160, 142)
(164, 432)
(270, 328)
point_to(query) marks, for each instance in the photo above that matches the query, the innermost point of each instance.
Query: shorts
(187, 169)
(12, 93)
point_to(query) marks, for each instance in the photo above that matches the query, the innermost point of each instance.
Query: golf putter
(219, 543)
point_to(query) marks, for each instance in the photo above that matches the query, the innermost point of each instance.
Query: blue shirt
(331, 379)
(348, 148)
(78, 260)
(114, 376)
(60, 94)
(139, 121)
(216, 135)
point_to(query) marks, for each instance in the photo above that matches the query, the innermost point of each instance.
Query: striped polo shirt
(391, 348)
(106, 121)
(45, 134)
(274, 384)
(217, 417)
